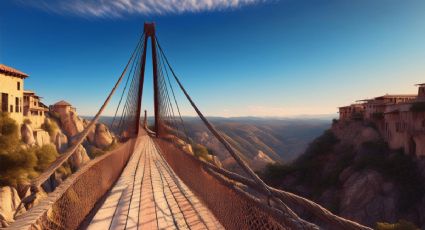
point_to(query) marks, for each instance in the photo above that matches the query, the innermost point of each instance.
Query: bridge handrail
(287, 197)
(82, 136)
(43, 177)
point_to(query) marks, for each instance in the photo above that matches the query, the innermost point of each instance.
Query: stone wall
(9, 85)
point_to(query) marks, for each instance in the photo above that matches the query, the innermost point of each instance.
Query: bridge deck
(149, 195)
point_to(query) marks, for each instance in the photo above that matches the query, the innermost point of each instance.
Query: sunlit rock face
(61, 142)
(27, 135)
(79, 158)
(9, 203)
(368, 198)
(71, 123)
(102, 137)
(42, 138)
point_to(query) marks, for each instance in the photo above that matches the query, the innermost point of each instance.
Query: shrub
(95, 152)
(400, 225)
(9, 136)
(50, 126)
(17, 167)
(273, 173)
(45, 156)
(200, 151)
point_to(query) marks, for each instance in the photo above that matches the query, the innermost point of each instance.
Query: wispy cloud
(119, 8)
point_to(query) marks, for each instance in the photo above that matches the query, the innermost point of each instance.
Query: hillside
(261, 140)
(350, 170)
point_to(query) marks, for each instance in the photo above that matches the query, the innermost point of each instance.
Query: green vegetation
(310, 163)
(50, 126)
(395, 166)
(45, 156)
(322, 145)
(94, 151)
(202, 152)
(400, 225)
(18, 163)
(274, 173)
(418, 107)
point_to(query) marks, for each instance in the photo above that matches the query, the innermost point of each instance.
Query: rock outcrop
(366, 197)
(9, 203)
(71, 123)
(60, 141)
(351, 171)
(79, 158)
(27, 135)
(41, 137)
(102, 137)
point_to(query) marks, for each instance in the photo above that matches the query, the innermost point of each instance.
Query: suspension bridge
(151, 181)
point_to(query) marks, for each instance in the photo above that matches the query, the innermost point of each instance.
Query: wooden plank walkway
(149, 195)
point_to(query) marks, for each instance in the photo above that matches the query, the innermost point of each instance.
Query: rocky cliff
(351, 171)
(26, 152)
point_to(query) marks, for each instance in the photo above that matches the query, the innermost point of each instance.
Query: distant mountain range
(260, 140)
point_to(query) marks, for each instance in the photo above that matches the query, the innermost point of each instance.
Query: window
(11, 108)
(4, 102)
(19, 85)
(16, 104)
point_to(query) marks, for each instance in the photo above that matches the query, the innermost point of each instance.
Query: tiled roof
(62, 103)
(397, 95)
(11, 71)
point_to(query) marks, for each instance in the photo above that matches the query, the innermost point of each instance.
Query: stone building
(405, 125)
(353, 111)
(62, 107)
(34, 109)
(12, 92)
(375, 108)
(399, 118)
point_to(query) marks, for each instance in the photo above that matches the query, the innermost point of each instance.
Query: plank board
(149, 195)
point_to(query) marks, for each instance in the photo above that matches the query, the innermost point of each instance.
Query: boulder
(367, 198)
(61, 142)
(9, 202)
(41, 137)
(27, 134)
(71, 123)
(79, 158)
(103, 138)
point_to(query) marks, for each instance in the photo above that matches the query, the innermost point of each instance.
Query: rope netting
(274, 202)
(71, 201)
(239, 200)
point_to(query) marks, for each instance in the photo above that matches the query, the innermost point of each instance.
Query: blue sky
(236, 58)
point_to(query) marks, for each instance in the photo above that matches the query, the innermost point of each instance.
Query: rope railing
(300, 223)
(279, 198)
(43, 177)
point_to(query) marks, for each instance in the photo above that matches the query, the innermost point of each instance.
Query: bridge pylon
(149, 31)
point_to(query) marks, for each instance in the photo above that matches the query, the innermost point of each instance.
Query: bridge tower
(149, 31)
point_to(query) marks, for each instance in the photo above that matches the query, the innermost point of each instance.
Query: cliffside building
(20, 104)
(62, 107)
(399, 118)
(12, 92)
(353, 111)
(34, 109)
